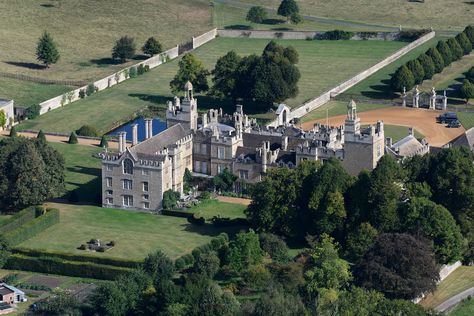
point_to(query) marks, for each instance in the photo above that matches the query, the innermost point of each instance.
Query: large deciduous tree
(152, 47)
(4, 251)
(256, 14)
(399, 266)
(287, 8)
(190, 69)
(223, 75)
(46, 50)
(244, 251)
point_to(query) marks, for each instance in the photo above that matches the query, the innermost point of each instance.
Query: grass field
(334, 108)
(210, 208)
(436, 13)
(323, 64)
(85, 32)
(460, 280)
(82, 170)
(465, 308)
(136, 234)
(467, 119)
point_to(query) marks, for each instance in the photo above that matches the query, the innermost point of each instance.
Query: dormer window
(127, 166)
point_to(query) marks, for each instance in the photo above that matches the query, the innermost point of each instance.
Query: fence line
(43, 80)
(326, 96)
(123, 74)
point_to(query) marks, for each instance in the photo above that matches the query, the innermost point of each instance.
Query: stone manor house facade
(137, 176)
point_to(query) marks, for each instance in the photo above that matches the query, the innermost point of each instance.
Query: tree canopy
(256, 14)
(46, 50)
(152, 47)
(287, 8)
(190, 69)
(124, 48)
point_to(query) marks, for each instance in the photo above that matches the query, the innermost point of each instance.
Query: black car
(447, 117)
(454, 124)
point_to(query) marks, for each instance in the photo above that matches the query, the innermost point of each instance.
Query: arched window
(127, 166)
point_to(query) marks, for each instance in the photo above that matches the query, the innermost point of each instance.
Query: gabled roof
(466, 139)
(407, 146)
(12, 288)
(165, 139)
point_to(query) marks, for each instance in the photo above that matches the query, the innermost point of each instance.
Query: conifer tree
(104, 142)
(464, 42)
(403, 77)
(46, 51)
(437, 59)
(417, 70)
(13, 132)
(41, 136)
(456, 50)
(445, 52)
(73, 138)
(428, 65)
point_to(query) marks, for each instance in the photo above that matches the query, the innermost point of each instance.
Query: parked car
(454, 124)
(447, 117)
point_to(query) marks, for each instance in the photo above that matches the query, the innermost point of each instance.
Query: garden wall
(301, 35)
(121, 75)
(326, 96)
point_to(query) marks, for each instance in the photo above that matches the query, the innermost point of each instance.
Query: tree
(359, 241)
(207, 263)
(467, 90)
(104, 143)
(469, 31)
(73, 138)
(445, 52)
(464, 42)
(275, 302)
(417, 70)
(60, 302)
(287, 8)
(187, 180)
(275, 247)
(244, 251)
(158, 266)
(110, 300)
(3, 119)
(190, 69)
(224, 75)
(170, 199)
(33, 111)
(152, 47)
(124, 49)
(31, 171)
(256, 14)
(456, 50)
(13, 132)
(87, 130)
(428, 66)
(4, 251)
(46, 51)
(435, 223)
(41, 136)
(224, 181)
(437, 59)
(403, 78)
(399, 266)
(470, 74)
(296, 18)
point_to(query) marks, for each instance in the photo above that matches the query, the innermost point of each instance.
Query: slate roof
(466, 139)
(4, 290)
(160, 141)
(407, 146)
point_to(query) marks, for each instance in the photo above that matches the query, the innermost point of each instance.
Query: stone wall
(297, 35)
(204, 38)
(326, 96)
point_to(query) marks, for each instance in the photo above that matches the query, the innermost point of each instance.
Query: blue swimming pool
(158, 127)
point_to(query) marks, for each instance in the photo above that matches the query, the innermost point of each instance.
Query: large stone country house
(136, 177)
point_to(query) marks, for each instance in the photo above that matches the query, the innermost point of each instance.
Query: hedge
(33, 227)
(117, 262)
(64, 267)
(19, 219)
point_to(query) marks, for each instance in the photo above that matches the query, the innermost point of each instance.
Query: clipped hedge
(33, 227)
(117, 262)
(64, 267)
(19, 219)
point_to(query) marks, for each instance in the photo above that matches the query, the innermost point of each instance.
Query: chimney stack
(134, 134)
(284, 143)
(148, 128)
(122, 141)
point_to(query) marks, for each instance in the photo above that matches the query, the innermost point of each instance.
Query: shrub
(13, 132)
(275, 247)
(146, 68)
(205, 195)
(72, 138)
(82, 94)
(82, 247)
(87, 130)
(104, 142)
(207, 263)
(337, 35)
(170, 199)
(180, 264)
(367, 35)
(470, 74)
(257, 276)
(33, 111)
(19, 219)
(90, 89)
(256, 14)
(140, 69)
(296, 18)
(411, 35)
(133, 72)
(152, 47)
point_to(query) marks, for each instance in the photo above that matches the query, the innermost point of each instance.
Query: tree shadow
(273, 21)
(33, 66)
(210, 230)
(47, 5)
(140, 57)
(282, 29)
(237, 27)
(155, 99)
(84, 170)
(469, 2)
(106, 61)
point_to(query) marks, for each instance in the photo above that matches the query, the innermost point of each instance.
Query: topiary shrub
(73, 138)
(103, 142)
(140, 69)
(133, 73)
(91, 89)
(146, 68)
(180, 264)
(33, 111)
(87, 130)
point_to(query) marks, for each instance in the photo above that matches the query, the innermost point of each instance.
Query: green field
(467, 119)
(135, 233)
(85, 32)
(440, 14)
(210, 208)
(323, 64)
(458, 281)
(82, 170)
(465, 308)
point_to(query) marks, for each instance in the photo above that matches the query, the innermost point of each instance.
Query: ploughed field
(323, 65)
(136, 234)
(85, 32)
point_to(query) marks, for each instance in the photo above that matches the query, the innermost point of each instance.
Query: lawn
(397, 132)
(83, 170)
(323, 64)
(467, 119)
(136, 234)
(234, 16)
(458, 281)
(210, 208)
(4, 218)
(440, 14)
(85, 32)
(465, 308)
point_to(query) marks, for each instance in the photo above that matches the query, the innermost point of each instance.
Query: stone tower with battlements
(183, 111)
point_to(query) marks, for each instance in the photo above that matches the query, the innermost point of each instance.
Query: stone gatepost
(445, 100)
(404, 97)
(433, 99)
(416, 97)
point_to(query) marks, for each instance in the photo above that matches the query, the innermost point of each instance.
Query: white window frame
(108, 182)
(127, 200)
(109, 200)
(221, 152)
(127, 184)
(146, 205)
(146, 186)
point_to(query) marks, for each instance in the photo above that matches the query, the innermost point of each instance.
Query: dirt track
(422, 120)
(234, 200)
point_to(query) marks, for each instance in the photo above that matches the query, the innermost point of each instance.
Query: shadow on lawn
(210, 230)
(33, 66)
